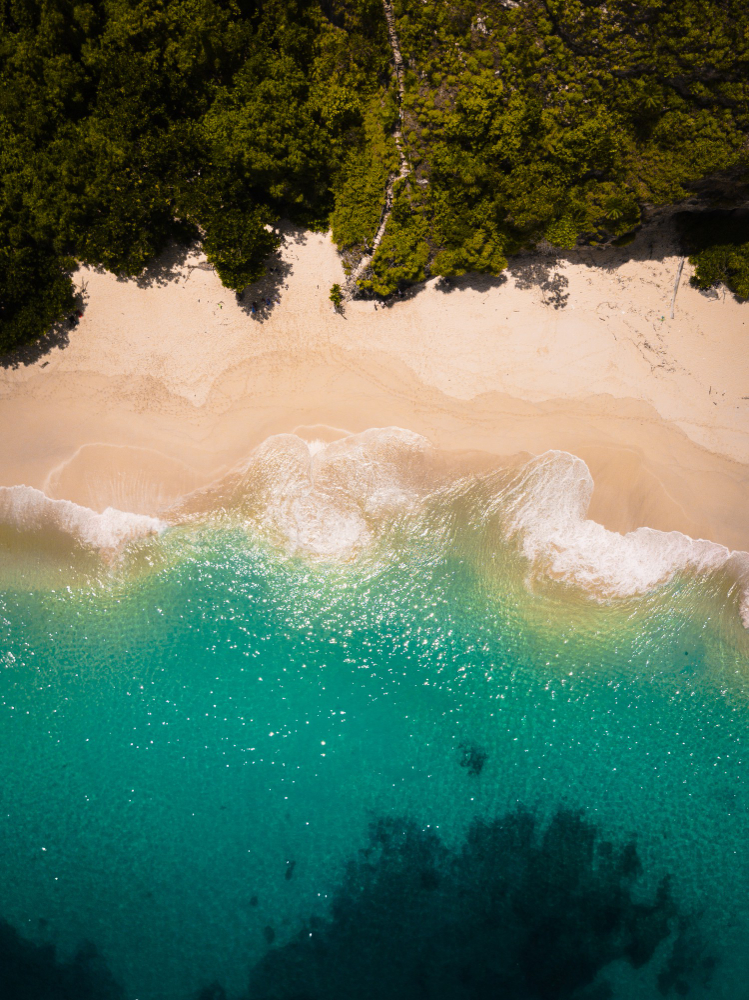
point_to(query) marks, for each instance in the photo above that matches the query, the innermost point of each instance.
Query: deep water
(226, 770)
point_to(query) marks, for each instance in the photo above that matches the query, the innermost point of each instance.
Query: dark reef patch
(520, 910)
(473, 758)
(31, 971)
(212, 992)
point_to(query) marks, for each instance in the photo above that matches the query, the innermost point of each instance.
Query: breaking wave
(330, 500)
(335, 500)
(27, 509)
(546, 510)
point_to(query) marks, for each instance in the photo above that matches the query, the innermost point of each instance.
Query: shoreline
(165, 388)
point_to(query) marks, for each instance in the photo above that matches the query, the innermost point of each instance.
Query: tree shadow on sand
(529, 270)
(541, 272)
(662, 235)
(258, 300)
(261, 298)
(168, 266)
(57, 336)
(665, 234)
(474, 280)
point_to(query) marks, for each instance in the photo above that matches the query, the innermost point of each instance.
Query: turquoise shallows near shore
(199, 740)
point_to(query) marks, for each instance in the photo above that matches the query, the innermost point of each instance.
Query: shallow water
(359, 729)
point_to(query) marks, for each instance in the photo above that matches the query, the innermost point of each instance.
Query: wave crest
(546, 508)
(334, 500)
(27, 509)
(326, 499)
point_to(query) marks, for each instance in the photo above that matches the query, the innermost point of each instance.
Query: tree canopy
(125, 126)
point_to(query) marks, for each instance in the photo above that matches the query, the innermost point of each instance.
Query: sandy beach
(169, 382)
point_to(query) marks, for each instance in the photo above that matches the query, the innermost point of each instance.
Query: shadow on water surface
(473, 758)
(519, 910)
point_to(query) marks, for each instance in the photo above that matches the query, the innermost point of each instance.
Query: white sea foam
(28, 509)
(324, 497)
(332, 500)
(546, 508)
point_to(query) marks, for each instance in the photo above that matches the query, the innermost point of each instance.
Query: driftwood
(676, 285)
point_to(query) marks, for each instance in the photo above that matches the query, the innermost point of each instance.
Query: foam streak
(28, 509)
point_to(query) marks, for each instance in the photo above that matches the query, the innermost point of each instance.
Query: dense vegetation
(129, 124)
(718, 243)
(561, 120)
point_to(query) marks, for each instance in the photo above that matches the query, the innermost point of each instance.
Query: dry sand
(169, 382)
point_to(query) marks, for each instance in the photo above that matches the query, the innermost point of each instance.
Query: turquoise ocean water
(354, 725)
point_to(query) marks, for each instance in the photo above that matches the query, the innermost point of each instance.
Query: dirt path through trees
(405, 167)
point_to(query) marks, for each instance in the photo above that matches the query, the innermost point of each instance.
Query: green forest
(129, 125)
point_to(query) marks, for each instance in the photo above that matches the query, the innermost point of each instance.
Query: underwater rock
(212, 992)
(31, 971)
(473, 758)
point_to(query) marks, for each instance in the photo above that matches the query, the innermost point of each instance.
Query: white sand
(163, 388)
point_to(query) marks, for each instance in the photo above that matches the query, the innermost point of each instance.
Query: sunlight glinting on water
(348, 646)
